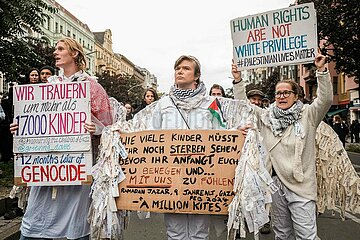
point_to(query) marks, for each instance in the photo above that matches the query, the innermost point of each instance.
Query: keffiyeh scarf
(280, 119)
(188, 98)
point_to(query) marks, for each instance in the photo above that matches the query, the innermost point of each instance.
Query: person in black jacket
(340, 128)
(6, 143)
(355, 130)
(150, 96)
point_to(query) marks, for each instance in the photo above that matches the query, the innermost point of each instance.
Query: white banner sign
(51, 117)
(281, 37)
(51, 145)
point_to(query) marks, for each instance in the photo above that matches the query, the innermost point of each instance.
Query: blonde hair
(197, 70)
(73, 47)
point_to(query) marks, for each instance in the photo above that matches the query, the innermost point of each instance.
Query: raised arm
(238, 84)
(324, 99)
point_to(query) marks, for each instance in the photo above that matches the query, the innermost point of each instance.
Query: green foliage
(7, 178)
(123, 88)
(338, 24)
(267, 86)
(18, 51)
(353, 148)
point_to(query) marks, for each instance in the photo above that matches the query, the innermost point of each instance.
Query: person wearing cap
(255, 96)
(45, 73)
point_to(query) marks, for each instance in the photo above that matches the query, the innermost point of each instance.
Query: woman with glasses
(288, 127)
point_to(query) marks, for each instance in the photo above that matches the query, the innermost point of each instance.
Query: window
(48, 23)
(56, 27)
(68, 33)
(61, 29)
(74, 37)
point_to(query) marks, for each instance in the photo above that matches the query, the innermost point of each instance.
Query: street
(330, 225)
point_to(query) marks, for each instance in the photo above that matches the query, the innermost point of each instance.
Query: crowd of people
(286, 125)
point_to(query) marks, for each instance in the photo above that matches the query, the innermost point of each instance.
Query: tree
(18, 50)
(269, 84)
(123, 88)
(338, 24)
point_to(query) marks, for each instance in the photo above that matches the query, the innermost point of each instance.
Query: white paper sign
(51, 145)
(281, 37)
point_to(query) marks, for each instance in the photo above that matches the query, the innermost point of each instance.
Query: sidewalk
(8, 228)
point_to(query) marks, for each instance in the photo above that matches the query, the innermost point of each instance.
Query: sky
(154, 33)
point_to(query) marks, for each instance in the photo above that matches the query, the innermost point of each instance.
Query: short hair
(293, 84)
(217, 86)
(337, 117)
(74, 46)
(51, 69)
(197, 70)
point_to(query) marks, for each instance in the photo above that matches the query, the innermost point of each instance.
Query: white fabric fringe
(337, 181)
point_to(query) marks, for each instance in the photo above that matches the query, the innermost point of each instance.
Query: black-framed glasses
(285, 94)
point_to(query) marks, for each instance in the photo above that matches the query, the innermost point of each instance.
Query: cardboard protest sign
(280, 37)
(51, 144)
(179, 171)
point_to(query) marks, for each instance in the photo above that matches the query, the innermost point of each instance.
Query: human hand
(244, 129)
(14, 127)
(235, 72)
(90, 127)
(320, 62)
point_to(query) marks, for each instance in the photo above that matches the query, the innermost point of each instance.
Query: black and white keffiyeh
(188, 98)
(280, 119)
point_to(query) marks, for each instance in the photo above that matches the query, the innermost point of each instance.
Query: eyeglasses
(285, 94)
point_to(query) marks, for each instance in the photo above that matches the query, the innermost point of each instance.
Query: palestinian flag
(216, 111)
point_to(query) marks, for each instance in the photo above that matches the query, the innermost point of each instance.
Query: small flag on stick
(216, 111)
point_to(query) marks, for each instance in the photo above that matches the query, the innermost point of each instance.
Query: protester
(129, 111)
(288, 128)
(65, 216)
(265, 102)
(6, 147)
(150, 96)
(186, 107)
(340, 128)
(45, 73)
(255, 96)
(355, 130)
(33, 76)
(6, 143)
(217, 91)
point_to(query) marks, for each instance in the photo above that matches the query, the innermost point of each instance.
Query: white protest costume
(61, 212)
(292, 155)
(338, 184)
(163, 114)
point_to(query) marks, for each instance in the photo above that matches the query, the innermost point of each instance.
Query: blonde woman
(65, 216)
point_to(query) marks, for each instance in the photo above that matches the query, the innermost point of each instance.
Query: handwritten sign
(51, 143)
(52, 169)
(281, 37)
(51, 117)
(179, 171)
